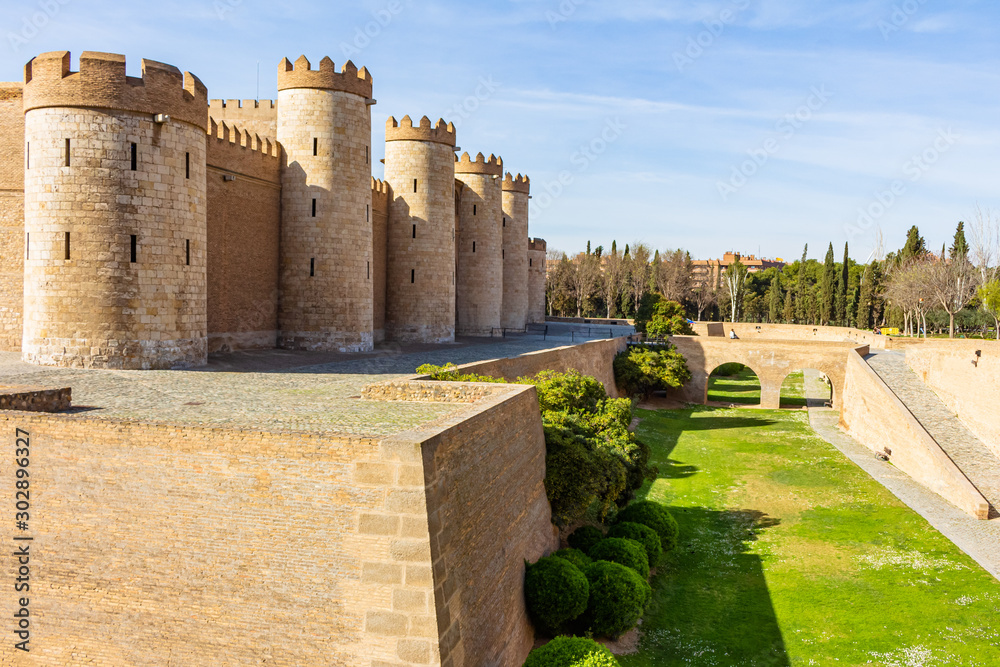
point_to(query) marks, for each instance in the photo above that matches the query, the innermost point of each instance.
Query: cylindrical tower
(420, 285)
(536, 280)
(479, 246)
(115, 214)
(324, 128)
(516, 192)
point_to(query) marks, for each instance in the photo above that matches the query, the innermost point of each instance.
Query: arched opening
(734, 383)
(806, 387)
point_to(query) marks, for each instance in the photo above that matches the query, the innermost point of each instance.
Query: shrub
(729, 370)
(571, 392)
(644, 535)
(668, 320)
(577, 557)
(623, 551)
(571, 652)
(449, 373)
(556, 592)
(585, 537)
(654, 515)
(647, 307)
(641, 370)
(618, 597)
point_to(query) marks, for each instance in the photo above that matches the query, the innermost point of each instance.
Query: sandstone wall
(11, 215)
(515, 252)
(968, 384)
(244, 217)
(536, 281)
(873, 415)
(479, 247)
(748, 330)
(257, 116)
(381, 196)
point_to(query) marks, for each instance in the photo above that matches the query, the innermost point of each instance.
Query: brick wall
(11, 215)
(244, 217)
(257, 116)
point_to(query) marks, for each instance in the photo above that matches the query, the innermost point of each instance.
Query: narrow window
(314, 208)
(27, 155)
(413, 276)
(67, 152)
(135, 157)
(414, 231)
(135, 246)
(368, 213)
(187, 165)
(505, 222)
(187, 252)
(369, 270)
(503, 254)
(367, 154)
(414, 185)
(315, 146)
(27, 245)
(474, 207)
(312, 267)
(529, 262)
(67, 245)
(473, 246)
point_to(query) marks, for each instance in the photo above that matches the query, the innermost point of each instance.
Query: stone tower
(420, 280)
(479, 246)
(536, 280)
(324, 128)
(516, 192)
(115, 214)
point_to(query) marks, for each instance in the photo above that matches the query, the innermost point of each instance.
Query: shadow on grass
(711, 603)
(742, 388)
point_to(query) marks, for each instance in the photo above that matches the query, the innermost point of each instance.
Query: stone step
(969, 453)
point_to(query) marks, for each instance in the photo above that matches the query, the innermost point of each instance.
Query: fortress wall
(968, 384)
(873, 415)
(11, 215)
(244, 217)
(536, 280)
(257, 116)
(748, 330)
(515, 252)
(381, 196)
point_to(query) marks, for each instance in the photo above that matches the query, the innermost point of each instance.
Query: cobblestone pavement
(270, 390)
(973, 458)
(979, 539)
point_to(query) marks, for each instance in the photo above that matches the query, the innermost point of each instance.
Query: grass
(791, 555)
(744, 389)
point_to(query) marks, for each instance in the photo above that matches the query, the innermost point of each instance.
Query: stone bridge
(771, 360)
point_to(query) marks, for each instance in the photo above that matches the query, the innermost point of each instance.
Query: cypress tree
(844, 278)
(828, 294)
(776, 299)
(789, 312)
(959, 247)
(800, 290)
(864, 318)
(915, 245)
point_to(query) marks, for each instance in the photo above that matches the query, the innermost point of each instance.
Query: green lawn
(744, 389)
(791, 555)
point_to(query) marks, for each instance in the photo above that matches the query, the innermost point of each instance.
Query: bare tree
(585, 279)
(984, 251)
(704, 297)
(674, 276)
(953, 284)
(638, 272)
(615, 275)
(908, 288)
(733, 284)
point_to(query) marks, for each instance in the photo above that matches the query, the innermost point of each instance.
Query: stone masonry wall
(536, 281)
(98, 308)
(381, 195)
(244, 217)
(479, 250)
(515, 254)
(11, 215)
(257, 116)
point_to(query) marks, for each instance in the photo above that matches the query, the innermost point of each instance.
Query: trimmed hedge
(618, 597)
(577, 557)
(585, 537)
(644, 535)
(729, 370)
(623, 551)
(556, 592)
(654, 515)
(571, 652)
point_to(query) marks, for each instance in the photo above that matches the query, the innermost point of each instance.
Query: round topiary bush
(656, 517)
(556, 592)
(577, 557)
(618, 596)
(584, 537)
(644, 535)
(629, 553)
(571, 652)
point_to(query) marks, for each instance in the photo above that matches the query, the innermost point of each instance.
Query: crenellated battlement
(537, 244)
(380, 187)
(102, 83)
(403, 130)
(349, 79)
(520, 184)
(239, 151)
(242, 139)
(245, 109)
(493, 166)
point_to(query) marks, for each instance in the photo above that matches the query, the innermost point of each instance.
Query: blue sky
(753, 125)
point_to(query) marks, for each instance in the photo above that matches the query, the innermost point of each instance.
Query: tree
(585, 280)
(775, 299)
(864, 319)
(558, 285)
(614, 278)
(959, 247)
(953, 284)
(668, 320)
(733, 282)
(673, 275)
(800, 289)
(985, 250)
(638, 272)
(915, 245)
(989, 297)
(842, 286)
(829, 288)
(704, 297)
(788, 314)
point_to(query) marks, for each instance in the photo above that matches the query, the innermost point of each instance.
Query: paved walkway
(969, 453)
(979, 539)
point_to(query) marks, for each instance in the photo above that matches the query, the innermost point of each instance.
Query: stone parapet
(301, 75)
